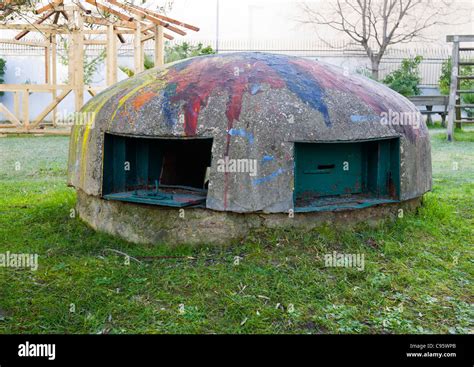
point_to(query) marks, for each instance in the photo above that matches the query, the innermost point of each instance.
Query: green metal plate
(339, 203)
(328, 169)
(160, 198)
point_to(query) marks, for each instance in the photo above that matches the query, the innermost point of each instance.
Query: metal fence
(340, 53)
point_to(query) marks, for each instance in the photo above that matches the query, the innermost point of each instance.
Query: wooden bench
(428, 102)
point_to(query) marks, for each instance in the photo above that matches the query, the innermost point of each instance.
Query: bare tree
(10, 7)
(378, 24)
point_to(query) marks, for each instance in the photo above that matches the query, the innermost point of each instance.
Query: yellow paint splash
(96, 104)
(149, 80)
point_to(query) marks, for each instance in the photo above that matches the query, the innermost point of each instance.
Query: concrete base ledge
(147, 224)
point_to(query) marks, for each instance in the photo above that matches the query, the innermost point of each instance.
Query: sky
(242, 19)
(270, 19)
(278, 20)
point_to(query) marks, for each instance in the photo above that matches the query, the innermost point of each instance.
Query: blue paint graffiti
(267, 158)
(273, 175)
(254, 89)
(301, 83)
(364, 118)
(296, 78)
(170, 111)
(243, 133)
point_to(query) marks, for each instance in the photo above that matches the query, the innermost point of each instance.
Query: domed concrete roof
(254, 106)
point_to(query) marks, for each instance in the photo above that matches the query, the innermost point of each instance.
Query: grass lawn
(417, 278)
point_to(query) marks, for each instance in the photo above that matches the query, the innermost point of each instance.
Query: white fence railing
(338, 52)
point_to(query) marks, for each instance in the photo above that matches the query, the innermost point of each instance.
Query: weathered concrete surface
(146, 224)
(254, 106)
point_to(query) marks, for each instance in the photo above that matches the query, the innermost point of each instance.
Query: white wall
(30, 70)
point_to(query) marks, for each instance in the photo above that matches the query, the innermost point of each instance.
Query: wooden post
(46, 62)
(79, 62)
(452, 91)
(53, 45)
(142, 55)
(25, 108)
(159, 46)
(137, 49)
(16, 104)
(111, 56)
(71, 56)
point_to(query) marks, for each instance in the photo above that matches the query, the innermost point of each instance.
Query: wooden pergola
(80, 21)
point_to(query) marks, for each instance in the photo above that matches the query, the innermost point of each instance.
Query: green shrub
(173, 53)
(179, 52)
(127, 71)
(3, 67)
(405, 80)
(185, 50)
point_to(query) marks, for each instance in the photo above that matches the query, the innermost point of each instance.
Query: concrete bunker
(241, 141)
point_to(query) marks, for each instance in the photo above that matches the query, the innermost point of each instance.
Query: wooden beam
(119, 23)
(94, 42)
(93, 91)
(64, 132)
(48, 6)
(151, 36)
(36, 28)
(102, 21)
(148, 37)
(96, 20)
(110, 10)
(39, 88)
(104, 31)
(460, 38)
(49, 108)
(152, 28)
(120, 37)
(162, 17)
(31, 87)
(145, 15)
(10, 116)
(56, 17)
(39, 21)
(25, 43)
